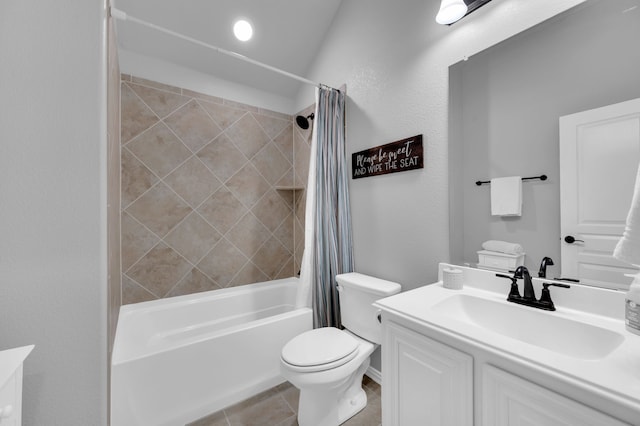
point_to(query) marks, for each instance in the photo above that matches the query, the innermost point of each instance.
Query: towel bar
(541, 177)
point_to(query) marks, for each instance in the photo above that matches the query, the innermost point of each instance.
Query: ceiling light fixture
(243, 30)
(451, 11)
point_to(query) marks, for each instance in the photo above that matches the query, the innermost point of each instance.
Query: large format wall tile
(222, 210)
(248, 185)
(193, 182)
(162, 103)
(271, 164)
(136, 178)
(284, 142)
(193, 126)
(137, 240)
(222, 263)
(159, 209)
(194, 282)
(159, 270)
(193, 238)
(135, 115)
(200, 208)
(223, 115)
(159, 149)
(248, 235)
(248, 136)
(272, 125)
(222, 157)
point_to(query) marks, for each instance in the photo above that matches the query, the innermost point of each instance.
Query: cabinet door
(425, 382)
(509, 400)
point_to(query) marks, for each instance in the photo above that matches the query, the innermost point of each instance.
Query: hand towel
(506, 196)
(628, 247)
(503, 247)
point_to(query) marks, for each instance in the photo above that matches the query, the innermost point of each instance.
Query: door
(599, 156)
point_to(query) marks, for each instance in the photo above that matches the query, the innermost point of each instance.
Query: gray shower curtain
(333, 246)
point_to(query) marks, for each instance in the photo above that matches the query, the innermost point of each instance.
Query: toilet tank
(357, 292)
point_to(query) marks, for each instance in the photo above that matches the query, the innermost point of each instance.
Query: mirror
(504, 107)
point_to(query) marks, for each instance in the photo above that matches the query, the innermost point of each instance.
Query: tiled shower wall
(201, 208)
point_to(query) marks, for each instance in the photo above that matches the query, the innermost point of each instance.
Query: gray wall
(504, 109)
(53, 206)
(394, 61)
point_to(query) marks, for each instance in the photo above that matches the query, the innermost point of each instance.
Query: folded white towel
(506, 196)
(503, 247)
(628, 248)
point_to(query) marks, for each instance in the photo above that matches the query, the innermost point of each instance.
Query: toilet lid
(318, 347)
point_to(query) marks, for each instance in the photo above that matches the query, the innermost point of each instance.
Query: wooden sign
(400, 156)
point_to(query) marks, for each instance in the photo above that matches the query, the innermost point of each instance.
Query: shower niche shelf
(289, 188)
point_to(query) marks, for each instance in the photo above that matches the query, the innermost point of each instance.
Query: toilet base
(332, 407)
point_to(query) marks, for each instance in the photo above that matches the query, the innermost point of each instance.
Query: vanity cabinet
(511, 400)
(429, 383)
(425, 382)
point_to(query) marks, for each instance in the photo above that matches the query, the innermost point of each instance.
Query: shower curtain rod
(118, 14)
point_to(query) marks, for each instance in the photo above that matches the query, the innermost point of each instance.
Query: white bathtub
(178, 359)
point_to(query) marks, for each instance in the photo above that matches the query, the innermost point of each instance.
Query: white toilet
(327, 364)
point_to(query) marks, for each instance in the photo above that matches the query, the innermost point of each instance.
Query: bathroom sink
(536, 327)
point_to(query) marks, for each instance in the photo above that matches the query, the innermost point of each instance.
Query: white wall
(394, 59)
(53, 204)
(175, 75)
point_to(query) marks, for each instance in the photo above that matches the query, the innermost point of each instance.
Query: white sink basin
(536, 327)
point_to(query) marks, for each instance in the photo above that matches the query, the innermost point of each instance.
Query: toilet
(327, 364)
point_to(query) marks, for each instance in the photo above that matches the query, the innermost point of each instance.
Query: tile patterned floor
(278, 406)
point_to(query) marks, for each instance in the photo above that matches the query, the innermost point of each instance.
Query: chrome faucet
(529, 296)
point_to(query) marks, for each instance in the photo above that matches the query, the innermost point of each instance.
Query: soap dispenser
(632, 306)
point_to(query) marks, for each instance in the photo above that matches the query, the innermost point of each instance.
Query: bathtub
(178, 359)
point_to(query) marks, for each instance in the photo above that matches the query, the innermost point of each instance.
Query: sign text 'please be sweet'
(399, 156)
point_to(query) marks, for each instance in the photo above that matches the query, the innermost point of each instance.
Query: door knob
(570, 240)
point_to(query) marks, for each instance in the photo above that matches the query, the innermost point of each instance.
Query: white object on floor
(506, 196)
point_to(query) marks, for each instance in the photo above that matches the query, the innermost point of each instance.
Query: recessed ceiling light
(242, 30)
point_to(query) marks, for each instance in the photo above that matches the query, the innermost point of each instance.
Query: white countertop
(616, 376)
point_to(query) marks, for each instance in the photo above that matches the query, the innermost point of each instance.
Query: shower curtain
(328, 238)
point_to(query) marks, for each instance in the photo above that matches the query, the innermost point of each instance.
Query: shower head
(303, 122)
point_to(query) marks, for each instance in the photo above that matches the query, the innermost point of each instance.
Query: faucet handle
(571, 280)
(546, 285)
(505, 276)
(514, 293)
(545, 301)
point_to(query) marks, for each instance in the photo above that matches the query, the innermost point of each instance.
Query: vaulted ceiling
(287, 35)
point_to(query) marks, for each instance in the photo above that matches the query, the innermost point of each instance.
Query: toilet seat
(320, 349)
